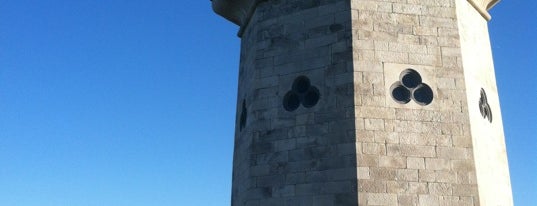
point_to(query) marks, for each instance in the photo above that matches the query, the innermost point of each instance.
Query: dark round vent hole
(423, 94)
(400, 93)
(311, 97)
(410, 78)
(301, 84)
(291, 101)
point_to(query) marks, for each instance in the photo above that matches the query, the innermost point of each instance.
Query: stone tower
(366, 102)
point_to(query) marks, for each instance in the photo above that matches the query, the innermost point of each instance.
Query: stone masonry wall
(410, 154)
(305, 156)
(356, 145)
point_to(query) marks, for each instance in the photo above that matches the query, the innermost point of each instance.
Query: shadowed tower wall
(355, 102)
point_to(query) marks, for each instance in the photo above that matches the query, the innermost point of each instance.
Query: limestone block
(415, 163)
(381, 199)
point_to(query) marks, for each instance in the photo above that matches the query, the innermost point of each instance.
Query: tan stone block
(408, 39)
(367, 66)
(449, 41)
(406, 175)
(382, 45)
(407, 19)
(466, 177)
(407, 200)
(382, 173)
(362, 196)
(437, 164)
(417, 188)
(425, 59)
(446, 176)
(444, 140)
(363, 173)
(374, 186)
(440, 12)
(397, 187)
(366, 136)
(465, 190)
(417, 139)
(417, 127)
(436, 3)
(427, 175)
(438, 21)
(407, 48)
(378, 89)
(440, 188)
(408, 8)
(389, 126)
(462, 141)
(417, 115)
(463, 165)
(450, 128)
(370, 5)
(454, 153)
(434, 50)
(392, 57)
(376, 112)
(425, 31)
(381, 136)
(392, 162)
(373, 77)
(429, 200)
(364, 55)
(374, 148)
(391, 137)
(374, 124)
(376, 35)
(359, 124)
(367, 160)
(381, 199)
(410, 150)
(450, 32)
(467, 201)
(446, 83)
(451, 51)
(363, 44)
(392, 27)
(374, 100)
(429, 40)
(415, 163)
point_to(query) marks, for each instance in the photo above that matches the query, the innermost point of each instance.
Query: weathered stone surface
(355, 145)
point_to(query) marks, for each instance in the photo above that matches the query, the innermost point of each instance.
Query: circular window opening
(244, 116)
(483, 96)
(400, 93)
(311, 97)
(484, 106)
(291, 101)
(301, 84)
(489, 114)
(423, 94)
(410, 78)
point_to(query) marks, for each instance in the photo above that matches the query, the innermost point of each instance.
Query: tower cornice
(236, 11)
(240, 11)
(482, 6)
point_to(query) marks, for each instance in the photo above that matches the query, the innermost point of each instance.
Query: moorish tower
(366, 102)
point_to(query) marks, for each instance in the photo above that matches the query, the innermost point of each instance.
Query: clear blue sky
(133, 102)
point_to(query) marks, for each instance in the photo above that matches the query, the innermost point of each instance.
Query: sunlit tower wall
(366, 102)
